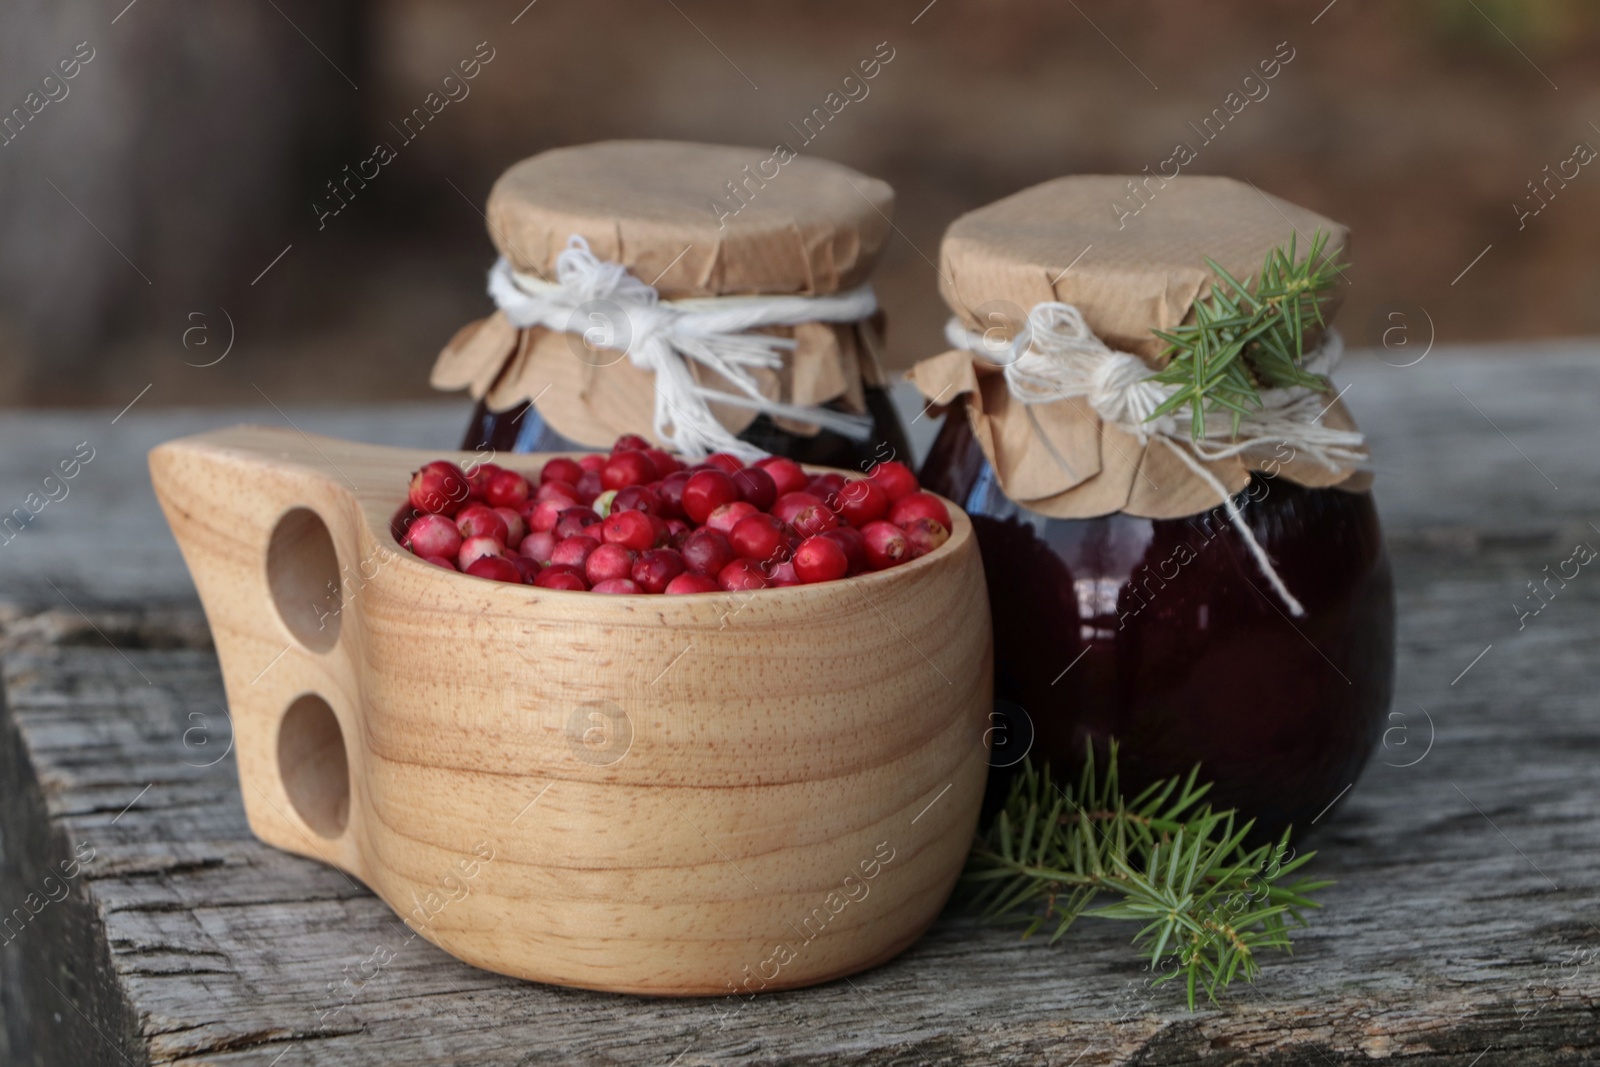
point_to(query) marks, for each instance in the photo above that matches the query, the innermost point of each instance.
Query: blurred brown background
(188, 151)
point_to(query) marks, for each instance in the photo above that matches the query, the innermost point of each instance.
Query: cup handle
(272, 534)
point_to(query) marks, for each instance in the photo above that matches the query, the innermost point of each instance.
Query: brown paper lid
(1128, 252)
(1131, 262)
(696, 219)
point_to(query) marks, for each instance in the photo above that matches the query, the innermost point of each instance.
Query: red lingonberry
(820, 559)
(516, 529)
(894, 478)
(862, 501)
(629, 442)
(707, 551)
(759, 537)
(741, 574)
(627, 468)
(478, 479)
(919, 505)
(495, 568)
(725, 518)
(814, 520)
(480, 520)
(630, 529)
(637, 498)
(667, 528)
(854, 545)
(824, 485)
(609, 562)
(559, 492)
(756, 487)
(923, 536)
(556, 577)
(692, 583)
(665, 463)
(573, 551)
(655, 568)
(561, 469)
(589, 487)
(886, 544)
(615, 585)
(573, 521)
(705, 492)
(439, 487)
(528, 568)
(540, 546)
(433, 535)
(506, 489)
(475, 548)
(787, 475)
(545, 513)
(787, 506)
(669, 491)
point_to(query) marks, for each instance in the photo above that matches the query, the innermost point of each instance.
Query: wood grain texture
(1461, 931)
(531, 777)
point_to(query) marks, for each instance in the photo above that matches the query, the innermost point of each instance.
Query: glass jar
(1164, 635)
(692, 223)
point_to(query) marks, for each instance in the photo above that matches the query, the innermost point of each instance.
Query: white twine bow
(613, 309)
(1057, 357)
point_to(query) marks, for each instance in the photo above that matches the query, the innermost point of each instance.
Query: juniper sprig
(1248, 336)
(1206, 904)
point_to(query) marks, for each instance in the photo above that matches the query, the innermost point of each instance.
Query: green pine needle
(1205, 904)
(1247, 336)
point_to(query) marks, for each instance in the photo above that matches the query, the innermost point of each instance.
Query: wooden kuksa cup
(652, 794)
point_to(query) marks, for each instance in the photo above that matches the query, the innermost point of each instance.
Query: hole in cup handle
(312, 765)
(304, 578)
(300, 788)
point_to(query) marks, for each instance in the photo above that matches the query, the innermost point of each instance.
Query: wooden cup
(723, 792)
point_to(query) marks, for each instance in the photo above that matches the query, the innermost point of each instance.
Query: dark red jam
(1165, 635)
(521, 429)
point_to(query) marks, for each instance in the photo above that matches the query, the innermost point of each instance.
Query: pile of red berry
(639, 521)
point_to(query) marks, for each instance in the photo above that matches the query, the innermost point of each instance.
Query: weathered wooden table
(1464, 927)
